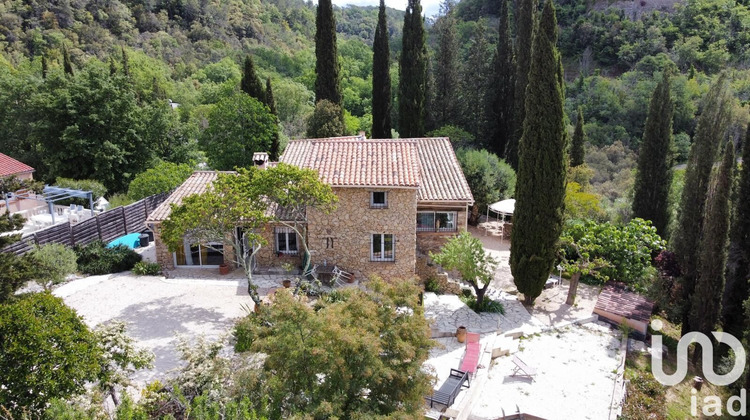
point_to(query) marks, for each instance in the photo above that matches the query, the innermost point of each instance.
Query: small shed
(619, 306)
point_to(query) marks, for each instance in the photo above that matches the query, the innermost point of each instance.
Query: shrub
(143, 268)
(163, 177)
(488, 305)
(97, 188)
(53, 263)
(95, 258)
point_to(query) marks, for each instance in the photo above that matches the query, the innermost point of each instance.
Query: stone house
(398, 199)
(22, 171)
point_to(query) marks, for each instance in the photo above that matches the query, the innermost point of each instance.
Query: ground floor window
(436, 221)
(286, 240)
(382, 248)
(199, 255)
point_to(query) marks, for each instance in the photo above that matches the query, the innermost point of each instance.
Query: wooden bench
(448, 391)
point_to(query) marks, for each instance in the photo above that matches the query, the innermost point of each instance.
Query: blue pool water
(130, 240)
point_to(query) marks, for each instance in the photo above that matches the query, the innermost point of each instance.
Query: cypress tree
(125, 63)
(44, 67)
(412, 83)
(709, 286)
(112, 67)
(654, 176)
(738, 263)
(540, 186)
(275, 143)
(711, 128)
(577, 152)
(502, 90)
(67, 64)
(250, 83)
(525, 23)
(326, 55)
(381, 79)
(445, 109)
(475, 85)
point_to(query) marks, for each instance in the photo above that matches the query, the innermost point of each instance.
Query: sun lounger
(471, 357)
(448, 391)
(522, 369)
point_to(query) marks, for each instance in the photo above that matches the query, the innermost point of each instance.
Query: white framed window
(286, 240)
(382, 247)
(378, 199)
(436, 221)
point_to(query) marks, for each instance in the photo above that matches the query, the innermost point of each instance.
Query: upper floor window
(286, 240)
(378, 199)
(382, 247)
(436, 221)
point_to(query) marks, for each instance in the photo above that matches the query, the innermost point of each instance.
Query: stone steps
(503, 345)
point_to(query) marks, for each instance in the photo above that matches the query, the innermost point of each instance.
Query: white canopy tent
(502, 208)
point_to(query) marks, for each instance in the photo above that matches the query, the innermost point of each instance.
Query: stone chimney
(260, 159)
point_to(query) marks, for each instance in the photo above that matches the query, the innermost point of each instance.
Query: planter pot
(461, 334)
(224, 269)
(287, 283)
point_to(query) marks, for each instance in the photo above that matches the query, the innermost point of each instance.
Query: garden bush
(95, 258)
(144, 268)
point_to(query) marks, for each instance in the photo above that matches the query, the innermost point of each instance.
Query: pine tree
(577, 152)
(67, 64)
(654, 176)
(326, 55)
(44, 67)
(738, 264)
(271, 103)
(709, 286)
(445, 109)
(412, 74)
(250, 83)
(525, 24)
(381, 79)
(502, 91)
(125, 63)
(540, 186)
(711, 128)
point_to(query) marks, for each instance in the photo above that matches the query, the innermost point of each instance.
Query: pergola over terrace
(53, 194)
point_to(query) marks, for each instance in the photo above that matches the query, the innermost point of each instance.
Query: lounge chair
(471, 357)
(522, 369)
(448, 391)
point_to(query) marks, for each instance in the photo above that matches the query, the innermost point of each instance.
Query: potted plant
(288, 267)
(225, 268)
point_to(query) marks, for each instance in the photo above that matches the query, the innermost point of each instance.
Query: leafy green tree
(48, 352)
(120, 358)
(45, 68)
(163, 177)
(712, 126)
(412, 79)
(67, 64)
(540, 189)
(502, 91)
(738, 262)
(238, 126)
(705, 309)
(97, 188)
(525, 29)
(326, 121)
(250, 82)
(446, 84)
(654, 176)
(381, 79)
(460, 138)
(53, 263)
(327, 83)
(465, 254)
(490, 179)
(358, 354)
(577, 151)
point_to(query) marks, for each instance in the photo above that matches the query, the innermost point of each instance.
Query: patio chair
(471, 356)
(312, 272)
(522, 369)
(340, 276)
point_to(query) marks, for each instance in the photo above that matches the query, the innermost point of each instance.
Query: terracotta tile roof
(10, 166)
(196, 184)
(351, 162)
(439, 174)
(616, 300)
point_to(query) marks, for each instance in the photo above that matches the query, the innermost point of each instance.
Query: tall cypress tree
(577, 151)
(44, 67)
(445, 109)
(326, 55)
(654, 177)
(706, 301)
(67, 64)
(381, 79)
(275, 143)
(125, 63)
(412, 82)
(250, 82)
(525, 23)
(502, 90)
(738, 263)
(540, 187)
(711, 128)
(475, 85)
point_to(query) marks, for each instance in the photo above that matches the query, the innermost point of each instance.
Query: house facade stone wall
(344, 237)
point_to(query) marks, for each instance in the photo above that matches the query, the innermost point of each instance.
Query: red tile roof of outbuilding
(10, 166)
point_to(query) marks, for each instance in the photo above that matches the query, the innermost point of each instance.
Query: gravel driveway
(157, 309)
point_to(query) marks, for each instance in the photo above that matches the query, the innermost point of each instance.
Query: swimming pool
(131, 240)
